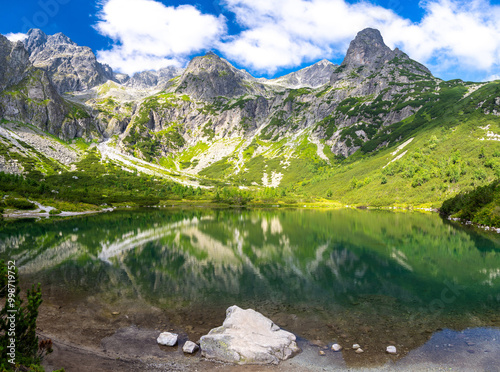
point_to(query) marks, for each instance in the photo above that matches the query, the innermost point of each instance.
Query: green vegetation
(93, 185)
(481, 205)
(294, 93)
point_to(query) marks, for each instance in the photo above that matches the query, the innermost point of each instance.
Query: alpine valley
(378, 130)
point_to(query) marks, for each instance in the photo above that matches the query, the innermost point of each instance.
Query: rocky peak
(210, 76)
(36, 39)
(148, 79)
(367, 48)
(369, 56)
(71, 67)
(311, 77)
(60, 38)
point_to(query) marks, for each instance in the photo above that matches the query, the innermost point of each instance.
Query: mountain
(148, 79)
(311, 77)
(27, 95)
(379, 118)
(70, 66)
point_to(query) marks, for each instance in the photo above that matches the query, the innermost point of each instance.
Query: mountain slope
(335, 134)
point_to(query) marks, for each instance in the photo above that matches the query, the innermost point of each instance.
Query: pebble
(336, 347)
(359, 351)
(356, 346)
(391, 350)
(322, 353)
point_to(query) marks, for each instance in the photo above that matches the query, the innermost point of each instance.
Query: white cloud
(455, 38)
(285, 33)
(150, 35)
(453, 34)
(16, 36)
(493, 77)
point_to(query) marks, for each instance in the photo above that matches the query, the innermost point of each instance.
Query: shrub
(20, 204)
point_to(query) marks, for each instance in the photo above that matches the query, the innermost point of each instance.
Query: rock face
(71, 67)
(14, 61)
(248, 337)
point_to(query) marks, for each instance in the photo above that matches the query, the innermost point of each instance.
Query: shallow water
(369, 277)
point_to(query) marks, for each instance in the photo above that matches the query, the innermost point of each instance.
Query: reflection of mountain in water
(287, 256)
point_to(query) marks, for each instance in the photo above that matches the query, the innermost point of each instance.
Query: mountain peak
(36, 38)
(70, 67)
(366, 48)
(370, 36)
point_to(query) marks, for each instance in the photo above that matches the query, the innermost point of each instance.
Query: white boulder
(167, 338)
(190, 347)
(248, 337)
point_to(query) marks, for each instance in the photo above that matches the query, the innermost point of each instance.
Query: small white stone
(190, 347)
(359, 351)
(356, 346)
(336, 347)
(167, 338)
(391, 350)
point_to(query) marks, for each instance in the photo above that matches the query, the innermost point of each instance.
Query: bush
(20, 204)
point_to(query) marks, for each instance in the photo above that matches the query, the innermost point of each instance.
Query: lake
(350, 276)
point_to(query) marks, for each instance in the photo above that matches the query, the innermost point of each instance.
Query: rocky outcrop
(248, 337)
(71, 67)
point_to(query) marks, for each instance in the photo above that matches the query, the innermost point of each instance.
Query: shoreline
(44, 211)
(135, 348)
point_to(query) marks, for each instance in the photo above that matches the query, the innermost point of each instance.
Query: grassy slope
(446, 156)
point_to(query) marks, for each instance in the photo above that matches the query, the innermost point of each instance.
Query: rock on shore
(248, 337)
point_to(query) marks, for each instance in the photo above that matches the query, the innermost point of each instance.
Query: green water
(372, 276)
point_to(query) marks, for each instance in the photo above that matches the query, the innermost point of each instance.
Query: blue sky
(454, 38)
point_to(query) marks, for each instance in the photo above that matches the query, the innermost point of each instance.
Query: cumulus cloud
(149, 35)
(286, 33)
(16, 36)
